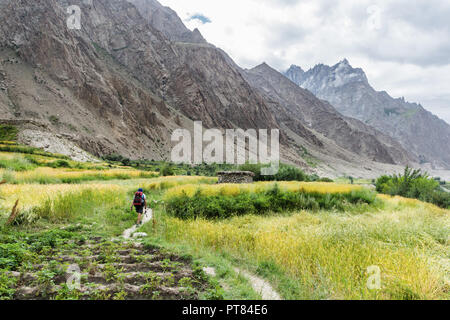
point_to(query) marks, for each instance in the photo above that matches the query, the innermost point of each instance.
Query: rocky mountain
(167, 21)
(348, 89)
(294, 105)
(134, 73)
(118, 84)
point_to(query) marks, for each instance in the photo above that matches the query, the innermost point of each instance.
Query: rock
(235, 176)
(140, 235)
(209, 271)
(54, 143)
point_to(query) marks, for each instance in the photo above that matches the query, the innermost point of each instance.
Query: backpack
(138, 199)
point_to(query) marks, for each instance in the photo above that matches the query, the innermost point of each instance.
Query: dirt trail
(261, 286)
(148, 215)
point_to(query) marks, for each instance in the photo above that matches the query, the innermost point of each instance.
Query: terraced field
(109, 270)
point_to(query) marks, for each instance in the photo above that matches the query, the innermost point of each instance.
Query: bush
(414, 184)
(325, 180)
(272, 200)
(8, 133)
(441, 199)
(59, 164)
(167, 171)
(114, 157)
(285, 173)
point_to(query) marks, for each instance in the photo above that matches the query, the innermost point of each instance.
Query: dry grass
(259, 187)
(327, 254)
(164, 183)
(52, 175)
(34, 194)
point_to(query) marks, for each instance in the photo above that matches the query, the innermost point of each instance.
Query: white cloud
(404, 46)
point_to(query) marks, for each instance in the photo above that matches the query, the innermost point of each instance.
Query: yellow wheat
(236, 189)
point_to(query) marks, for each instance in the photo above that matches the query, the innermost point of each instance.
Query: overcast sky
(403, 45)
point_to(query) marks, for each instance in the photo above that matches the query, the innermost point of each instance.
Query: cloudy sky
(403, 45)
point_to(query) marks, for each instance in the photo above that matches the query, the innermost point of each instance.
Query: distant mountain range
(349, 91)
(134, 73)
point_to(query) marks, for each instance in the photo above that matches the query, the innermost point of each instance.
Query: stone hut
(235, 177)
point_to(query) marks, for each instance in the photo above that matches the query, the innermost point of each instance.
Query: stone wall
(235, 177)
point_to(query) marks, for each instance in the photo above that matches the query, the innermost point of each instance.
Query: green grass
(17, 164)
(30, 150)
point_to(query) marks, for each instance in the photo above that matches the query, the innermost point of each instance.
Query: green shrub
(59, 164)
(414, 184)
(285, 173)
(126, 162)
(114, 157)
(272, 200)
(325, 180)
(54, 120)
(167, 170)
(8, 133)
(441, 199)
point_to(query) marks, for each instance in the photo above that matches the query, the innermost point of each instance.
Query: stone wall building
(235, 177)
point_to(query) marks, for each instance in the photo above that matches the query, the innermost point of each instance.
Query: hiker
(139, 202)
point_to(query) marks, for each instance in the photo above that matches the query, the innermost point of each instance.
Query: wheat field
(326, 254)
(259, 187)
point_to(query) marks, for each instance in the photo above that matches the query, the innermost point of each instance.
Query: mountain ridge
(350, 92)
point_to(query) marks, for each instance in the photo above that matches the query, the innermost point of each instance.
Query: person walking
(140, 204)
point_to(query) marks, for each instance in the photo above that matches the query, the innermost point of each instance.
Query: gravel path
(148, 215)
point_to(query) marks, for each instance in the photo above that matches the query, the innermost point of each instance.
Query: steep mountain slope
(348, 89)
(167, 21)
(299, 104)
(117, 78)
(134, 73)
